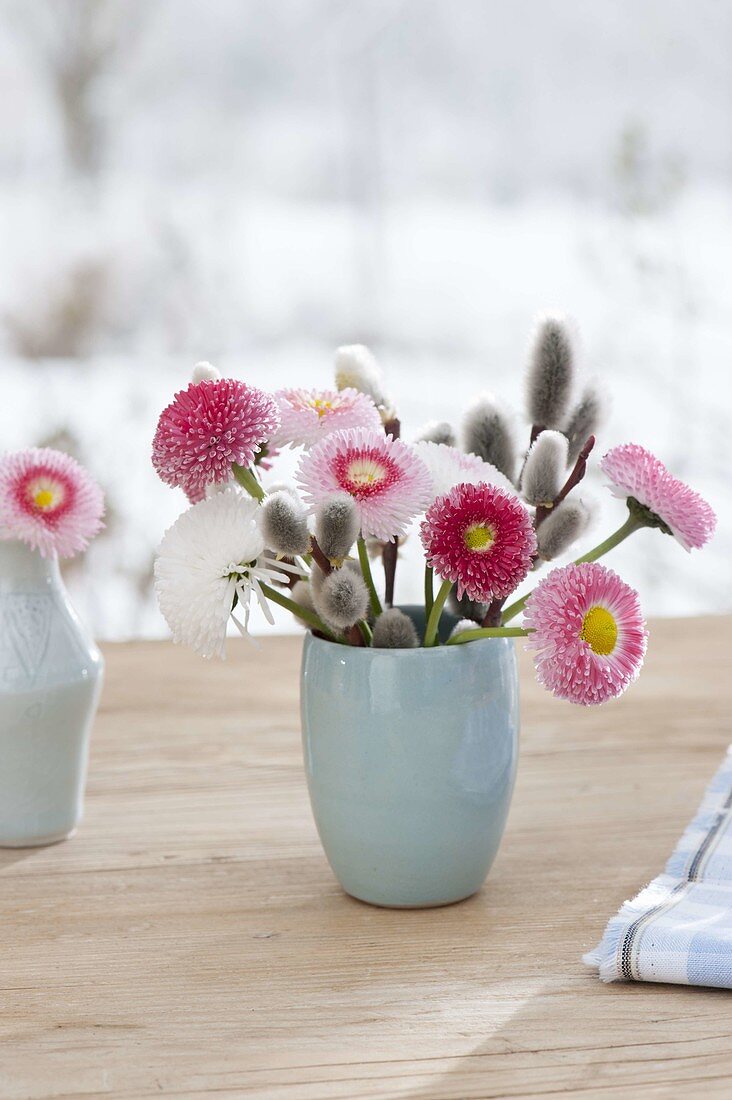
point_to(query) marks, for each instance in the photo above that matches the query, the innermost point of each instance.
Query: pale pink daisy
(635, 473)
(481, 538)
(206, 428)
(308, 416)
(450, 467)
(384, 476)
(49, 501)
(588, 634)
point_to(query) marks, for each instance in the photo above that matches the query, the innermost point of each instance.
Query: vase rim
(361, 652)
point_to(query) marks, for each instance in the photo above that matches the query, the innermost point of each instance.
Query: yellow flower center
(599, 630)
(364, 471)
(43, 499)
(45, 493)
(322, 406)
(479, 537)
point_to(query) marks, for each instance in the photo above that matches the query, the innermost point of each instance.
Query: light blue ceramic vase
(50, 679)
(410, 758)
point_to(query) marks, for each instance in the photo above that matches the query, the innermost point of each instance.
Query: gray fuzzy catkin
(584, 420)
(285, 524)
(466, 608)
(437, 431)
(356, 367)
(563, 526)
(487, 433)
(551, 372)
(395, 630)
(336, 525)
(301, 594)
(317, 579)
(545, 468)
(343, 598)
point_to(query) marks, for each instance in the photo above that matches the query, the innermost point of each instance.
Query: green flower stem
(363, 557)
(248, 481)
(300, 612)
(366, 632)
(433, 622)
(488, 632)
(429, 590)
(632, 523)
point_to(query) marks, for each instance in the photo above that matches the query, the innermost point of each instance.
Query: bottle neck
(20, 564)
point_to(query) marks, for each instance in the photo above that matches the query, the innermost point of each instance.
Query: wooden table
(191, 940)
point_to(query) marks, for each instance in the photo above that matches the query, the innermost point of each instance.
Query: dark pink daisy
(481, 538)
(634, 472)
(208, 426)
(589, 636)
(49, 501)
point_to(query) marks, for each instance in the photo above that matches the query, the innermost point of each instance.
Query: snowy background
(255, 182)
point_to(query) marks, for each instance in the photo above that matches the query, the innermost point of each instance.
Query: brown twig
(492, 616)
(319, 557)
(579, 471)
(389, 557)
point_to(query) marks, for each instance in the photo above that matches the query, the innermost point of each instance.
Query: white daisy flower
(211, 558)
(449, 467)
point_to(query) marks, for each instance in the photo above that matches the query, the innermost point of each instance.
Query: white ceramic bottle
(50, 680)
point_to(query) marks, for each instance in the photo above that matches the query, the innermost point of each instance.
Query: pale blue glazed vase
(50, 680)
(410, 758)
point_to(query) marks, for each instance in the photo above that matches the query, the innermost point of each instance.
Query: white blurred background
(254, 182)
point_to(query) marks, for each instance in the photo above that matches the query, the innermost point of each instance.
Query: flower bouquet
(410, 714)
(50, 670)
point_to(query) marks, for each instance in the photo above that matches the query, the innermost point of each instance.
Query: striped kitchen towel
(679, 929)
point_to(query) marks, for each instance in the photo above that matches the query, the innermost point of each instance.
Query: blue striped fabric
(679, 929)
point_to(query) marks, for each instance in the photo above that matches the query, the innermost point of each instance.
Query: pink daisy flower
(307, 416)
(450, 467)
(481, 538)
(49, 501)
(588, 634)
(389, 484)
(208, 426)
(634, 472)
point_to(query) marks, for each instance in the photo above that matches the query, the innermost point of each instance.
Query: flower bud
(204, 372)
(487, 433)
(336, 525)
(563, 526)
(395, 630)
(356, 367)
(285, 524)
(545, 468)
(343, 598)
(551, 372)
(437, 431)
(584, 419)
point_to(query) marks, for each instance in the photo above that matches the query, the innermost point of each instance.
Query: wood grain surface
(191, 940)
